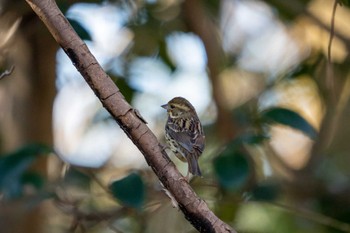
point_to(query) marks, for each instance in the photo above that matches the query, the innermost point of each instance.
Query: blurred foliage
(245, 183)
(64, 5)
(163, 54)
(130, 190)
(75, 178)
(290, 118)
(288, 10)
(232, 169)
(122, 83)
(266, 191)
(15, 172)
(80, 30)
(344, 2)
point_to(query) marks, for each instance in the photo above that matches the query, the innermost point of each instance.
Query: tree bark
(195, 209)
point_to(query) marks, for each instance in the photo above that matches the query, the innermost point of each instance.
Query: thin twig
(330, 75)
(99, 182)
(314, 216)
(7, 72)
(331, 34)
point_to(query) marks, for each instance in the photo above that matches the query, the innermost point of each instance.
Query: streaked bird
(184, 133)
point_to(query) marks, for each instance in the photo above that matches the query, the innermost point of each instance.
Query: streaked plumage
(184, 133)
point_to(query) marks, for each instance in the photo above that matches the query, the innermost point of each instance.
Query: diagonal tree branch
(195, 209)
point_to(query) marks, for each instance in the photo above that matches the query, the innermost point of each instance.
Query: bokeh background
(269, 80)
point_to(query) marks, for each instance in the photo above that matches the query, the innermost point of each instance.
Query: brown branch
(330, 81)
(195, 209)
(333, 105)
(198, 21)
(330, 72)
(331, 34)
(72, 209)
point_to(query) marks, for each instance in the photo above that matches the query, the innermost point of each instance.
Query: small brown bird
(184, 133)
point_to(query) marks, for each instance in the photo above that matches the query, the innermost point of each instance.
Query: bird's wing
(187, 139)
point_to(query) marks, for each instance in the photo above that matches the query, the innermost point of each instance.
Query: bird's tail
(193, 166)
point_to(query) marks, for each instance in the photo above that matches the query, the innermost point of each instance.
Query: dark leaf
(251, 139)
(33, 179)
(213, 7)
(308, 67)
(232, 169)
(124, 87)
(163, 53)
(344, 3)
(64, 5)
(79, 29)
(14, 165)
(267, 191)
(290, 118)
(130, 190)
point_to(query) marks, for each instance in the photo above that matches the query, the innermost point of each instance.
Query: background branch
(7, 72)
(198, 21)
(195, 209)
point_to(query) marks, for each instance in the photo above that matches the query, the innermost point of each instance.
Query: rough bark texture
(195, 209)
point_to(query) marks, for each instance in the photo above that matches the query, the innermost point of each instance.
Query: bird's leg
(164, 147)
(187, 177)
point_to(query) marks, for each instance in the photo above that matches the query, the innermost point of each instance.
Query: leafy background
(276, 158)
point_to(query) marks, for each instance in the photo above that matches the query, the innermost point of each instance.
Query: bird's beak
(165, 106)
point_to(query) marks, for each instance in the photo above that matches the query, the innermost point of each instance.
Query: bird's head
(179, 107)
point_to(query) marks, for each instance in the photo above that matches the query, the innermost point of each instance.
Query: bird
(184, 133)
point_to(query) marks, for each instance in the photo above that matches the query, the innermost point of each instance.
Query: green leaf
(213, 7)
(13, 167)
(130, 190)
(308, 67)
(290, 118)
(344, 3)
(232, 169)
(267, 191)
(146, 33)
(163, 54)
(125, 88)
(64, 5)
(79, 29)
(251, 139)
(33, 179)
